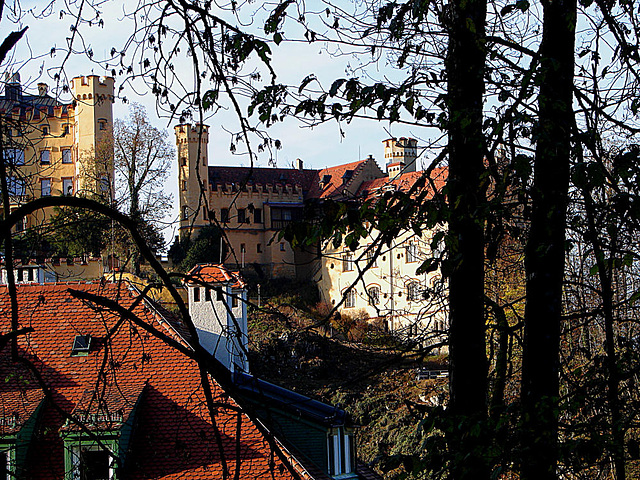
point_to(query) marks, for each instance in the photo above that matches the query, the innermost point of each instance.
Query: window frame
(350, 298)
(242, 215)
(65, 191)
(42, 190)
(414, 293)
(68, 158)
(411, 253)
(348, 262)
(341, 453)
(257, 215)
(374, 298)
(45, 156)
(13, 156)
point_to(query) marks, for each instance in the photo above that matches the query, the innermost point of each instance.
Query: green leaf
(308, 79)
(277, 38)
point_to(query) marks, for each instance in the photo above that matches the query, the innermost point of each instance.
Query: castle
(252, 204)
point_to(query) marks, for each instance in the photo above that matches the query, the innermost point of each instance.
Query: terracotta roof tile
(173, 436)
(215, 274)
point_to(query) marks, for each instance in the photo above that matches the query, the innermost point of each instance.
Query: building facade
(253, 204)
(53, 148)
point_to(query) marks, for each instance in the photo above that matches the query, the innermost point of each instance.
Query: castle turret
(92, 131)
(400, 155)
(193, 175)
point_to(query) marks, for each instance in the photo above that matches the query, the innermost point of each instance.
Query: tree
(142, 157)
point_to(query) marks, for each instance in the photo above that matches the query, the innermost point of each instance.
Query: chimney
(13, 90)
(43, 89)
(299, 164)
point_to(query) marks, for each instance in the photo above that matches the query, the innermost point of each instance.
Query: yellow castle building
(54, 148)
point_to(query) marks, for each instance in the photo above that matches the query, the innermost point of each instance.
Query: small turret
(193, 174)
(400, 155)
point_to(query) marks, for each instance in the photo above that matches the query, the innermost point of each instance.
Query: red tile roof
(214, 274)
(333, 180)
(403, 182)
(173, 435)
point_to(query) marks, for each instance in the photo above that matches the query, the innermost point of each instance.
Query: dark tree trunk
(465, 65)
(545, 250)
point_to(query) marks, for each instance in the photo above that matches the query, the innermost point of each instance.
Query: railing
(426, 374)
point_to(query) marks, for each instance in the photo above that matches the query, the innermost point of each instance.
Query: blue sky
(318, 147)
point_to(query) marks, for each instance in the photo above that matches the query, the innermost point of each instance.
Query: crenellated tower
(400, 155)
(193, 175)
(93, 140)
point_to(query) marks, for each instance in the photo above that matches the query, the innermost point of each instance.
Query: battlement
(93, 87)
(187, 133)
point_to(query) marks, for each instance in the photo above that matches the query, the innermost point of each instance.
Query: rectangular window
(224, 215)
(45, 157)
(67, 186)
(45, 129)
(257, 215)
(45, 187)
(219, 295)
(65, 130)
(184, 185)
(413, 291)
(341, 451)
(207, 295)
(259, 248)
(7, 462)
(104, 184)
(242, 215)
(412, 253)
(185, 212)
(372, 259)
(183, 161)
(282, 249)
(196, 294)
(234, 300)
(92, 463)
(347, 262)
(13, 156)
(66, 155)
(15, 186)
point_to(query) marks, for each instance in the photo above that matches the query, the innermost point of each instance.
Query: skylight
(81, 345)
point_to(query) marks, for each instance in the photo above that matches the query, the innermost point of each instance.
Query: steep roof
(125, 365)
(333, 180)
(214, 274)
(403, 183)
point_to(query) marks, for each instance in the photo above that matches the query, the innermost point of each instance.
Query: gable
(129, 377)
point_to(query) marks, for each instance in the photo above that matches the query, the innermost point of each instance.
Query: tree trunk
(465, 65)
(545, 250)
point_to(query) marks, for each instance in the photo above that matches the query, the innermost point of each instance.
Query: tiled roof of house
(260, 175)
(214, 274)
(403, 182)
(173, 436)
(333, 180)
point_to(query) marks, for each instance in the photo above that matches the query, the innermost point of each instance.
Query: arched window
(350, 299)
(374, 295)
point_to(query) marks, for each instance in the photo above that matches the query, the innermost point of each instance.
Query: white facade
(412, 305)
(219, 313)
